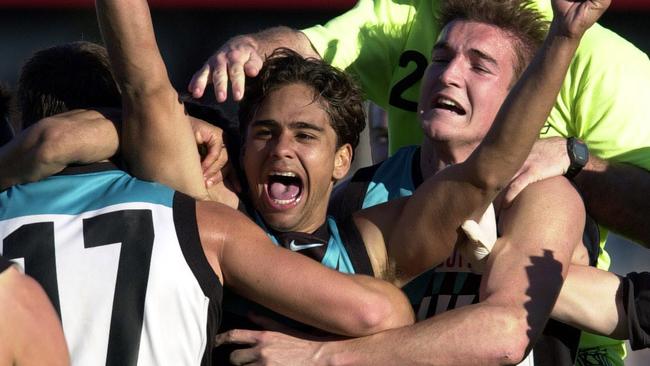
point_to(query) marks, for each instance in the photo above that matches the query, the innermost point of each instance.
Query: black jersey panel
(348, 198)
(188, 236)
(4, 264)
(353, 243)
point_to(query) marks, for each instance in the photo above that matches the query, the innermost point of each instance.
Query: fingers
(215, 163)
(234, 61)
(254, 65)
(516, 186)
(218, 170)
(242, 63)
(220, 76)
(216, 152)
(237, 336)
(199, 81)
(247, 356)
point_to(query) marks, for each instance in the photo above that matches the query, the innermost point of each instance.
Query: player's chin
(281, 221)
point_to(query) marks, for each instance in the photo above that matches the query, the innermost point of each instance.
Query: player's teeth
(284, 174)
(286, 202)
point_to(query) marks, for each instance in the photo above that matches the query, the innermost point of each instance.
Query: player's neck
(437, 155)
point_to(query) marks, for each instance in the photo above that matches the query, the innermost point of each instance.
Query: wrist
(333, 354)
(578, 157)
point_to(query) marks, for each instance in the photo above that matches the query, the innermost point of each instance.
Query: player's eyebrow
(444, 46)
(305, 126)
(484, 56)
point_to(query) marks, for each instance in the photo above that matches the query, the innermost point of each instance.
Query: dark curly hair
(518, 18)
(334, 90)
(65, 77)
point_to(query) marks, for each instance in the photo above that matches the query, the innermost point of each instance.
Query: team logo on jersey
(311, 245)
(298, 247)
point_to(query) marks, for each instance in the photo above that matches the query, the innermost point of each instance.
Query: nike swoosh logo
(296, 247)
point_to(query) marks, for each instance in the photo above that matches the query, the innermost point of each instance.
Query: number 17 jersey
(122, 263)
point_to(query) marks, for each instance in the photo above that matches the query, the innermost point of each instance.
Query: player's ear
(342, 161)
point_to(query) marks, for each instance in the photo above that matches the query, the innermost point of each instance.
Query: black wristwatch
(578, 155)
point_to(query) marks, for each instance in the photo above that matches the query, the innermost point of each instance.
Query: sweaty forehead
(463, 36)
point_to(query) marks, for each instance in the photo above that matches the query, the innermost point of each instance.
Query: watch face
(580, 152)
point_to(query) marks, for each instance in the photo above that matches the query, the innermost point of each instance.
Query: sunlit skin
(291, 145)
(469, 77)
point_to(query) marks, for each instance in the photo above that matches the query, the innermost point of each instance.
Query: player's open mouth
(449, 104)
(284, 189)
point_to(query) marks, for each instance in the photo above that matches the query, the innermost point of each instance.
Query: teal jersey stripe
(75, 194)
(393, 179)
(337, 256)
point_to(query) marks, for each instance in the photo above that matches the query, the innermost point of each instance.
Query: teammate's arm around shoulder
(46, 148)
(294, 285)
(30, 331)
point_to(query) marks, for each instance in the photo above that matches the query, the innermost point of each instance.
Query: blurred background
(188, 31)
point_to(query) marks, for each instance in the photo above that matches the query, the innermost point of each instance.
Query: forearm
(343, 304)
(127, 31)
(265, 273)
(510, 139)
(591, 300)
(456, 337)
(54, 142)
(158, 142)
(612, 194)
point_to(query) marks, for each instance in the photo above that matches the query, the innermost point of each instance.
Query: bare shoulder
(550, 191)
(219, 219)
(28, 323)
(550, 203)
(221, 226)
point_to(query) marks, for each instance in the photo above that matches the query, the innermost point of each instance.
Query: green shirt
(386, 45)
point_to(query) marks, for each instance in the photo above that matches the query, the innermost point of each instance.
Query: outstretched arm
(243, 56)
(463, 191)
(294, 285)
(157, 140)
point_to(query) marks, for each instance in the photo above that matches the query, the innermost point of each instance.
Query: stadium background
(188, 31)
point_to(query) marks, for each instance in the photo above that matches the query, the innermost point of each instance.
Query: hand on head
(235, 60)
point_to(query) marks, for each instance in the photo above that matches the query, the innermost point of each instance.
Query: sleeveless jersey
(336, 244)
(452, 284)
(120, 260)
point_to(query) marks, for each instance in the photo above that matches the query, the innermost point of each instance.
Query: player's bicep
(538, 234)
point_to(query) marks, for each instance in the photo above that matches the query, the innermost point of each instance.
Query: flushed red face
(471, 71)
(291, 160)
